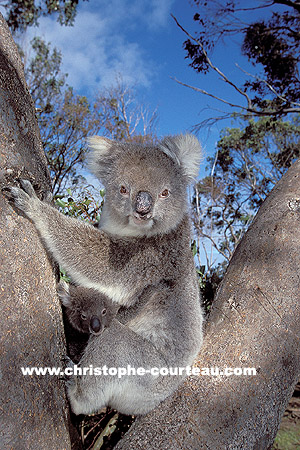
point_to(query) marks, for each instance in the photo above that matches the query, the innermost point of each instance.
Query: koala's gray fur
(86, 312)
(140, 258)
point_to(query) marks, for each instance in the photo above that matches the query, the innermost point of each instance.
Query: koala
(140, 258)
(86, 312)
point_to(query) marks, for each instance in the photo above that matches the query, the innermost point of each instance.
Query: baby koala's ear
(63, 292)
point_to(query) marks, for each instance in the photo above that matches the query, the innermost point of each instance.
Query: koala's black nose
(143, 203)
(95, 324)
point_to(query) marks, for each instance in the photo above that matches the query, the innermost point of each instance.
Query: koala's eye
(103, 312)
(124, 190)
(83, 316)
(164, 194)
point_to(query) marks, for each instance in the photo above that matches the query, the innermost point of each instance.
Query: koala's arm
(82, 250)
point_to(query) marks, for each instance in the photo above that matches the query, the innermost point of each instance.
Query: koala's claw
(48, 198)
(69, 378)
(27, 187)
(24, 198)
(19, 197)
(67, 361)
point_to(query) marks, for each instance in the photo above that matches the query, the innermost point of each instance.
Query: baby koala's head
(87, 310)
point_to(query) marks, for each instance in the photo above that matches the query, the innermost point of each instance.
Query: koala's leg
(119, 348)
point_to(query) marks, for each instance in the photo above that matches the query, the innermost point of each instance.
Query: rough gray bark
(255, 322)
(33, 410)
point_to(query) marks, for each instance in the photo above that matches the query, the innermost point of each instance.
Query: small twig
(208, 94)
(108, 430)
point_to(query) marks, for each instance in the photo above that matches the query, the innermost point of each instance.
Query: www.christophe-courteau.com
(139, 371)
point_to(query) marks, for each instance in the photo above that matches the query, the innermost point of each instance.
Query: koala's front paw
(24, 199)
(67, 361)
(68, 371)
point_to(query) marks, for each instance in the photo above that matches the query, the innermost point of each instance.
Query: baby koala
(86, 312)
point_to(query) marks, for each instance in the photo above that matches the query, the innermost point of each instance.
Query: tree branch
(208, 94)
(249, 110)
(295, 4)
(216, 69)
(272, 89)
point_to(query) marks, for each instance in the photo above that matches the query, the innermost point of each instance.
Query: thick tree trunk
(33, 410)
(255, 322)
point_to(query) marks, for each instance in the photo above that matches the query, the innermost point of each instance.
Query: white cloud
(160, 12)
(106, 40)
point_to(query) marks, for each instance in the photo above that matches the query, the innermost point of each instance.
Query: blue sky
(141, 41)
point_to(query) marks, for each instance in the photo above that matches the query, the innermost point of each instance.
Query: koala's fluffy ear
(185, 150)
(100, 158)
(64, 293)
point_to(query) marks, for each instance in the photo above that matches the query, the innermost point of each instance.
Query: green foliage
(209, 278)
(194, 248)
(275, 45)
(63, 275)
(288, 438)
(64, 131)
(43, 75)
(86, 207)
(273, 51)
(23, 13)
